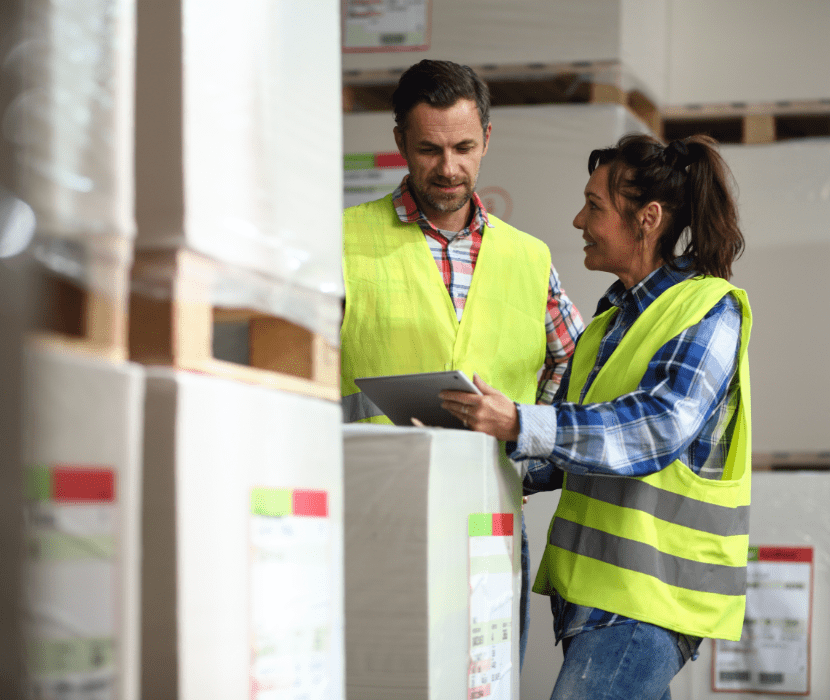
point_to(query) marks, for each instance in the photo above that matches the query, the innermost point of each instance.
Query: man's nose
(448, 165)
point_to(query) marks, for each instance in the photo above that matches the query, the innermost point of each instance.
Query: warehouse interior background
(172, 179)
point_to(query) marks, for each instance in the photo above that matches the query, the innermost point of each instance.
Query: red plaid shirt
(456, 255)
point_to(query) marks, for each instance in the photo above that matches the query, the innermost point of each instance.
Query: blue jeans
(621, 662)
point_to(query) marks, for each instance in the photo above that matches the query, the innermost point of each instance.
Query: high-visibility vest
(669, 548)
(400, 319)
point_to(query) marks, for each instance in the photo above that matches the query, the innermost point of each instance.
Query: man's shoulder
(504, 229)
(369, 207)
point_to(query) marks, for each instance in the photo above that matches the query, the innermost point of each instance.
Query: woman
(647, 550)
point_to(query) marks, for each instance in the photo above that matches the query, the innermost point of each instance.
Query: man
(496, 309)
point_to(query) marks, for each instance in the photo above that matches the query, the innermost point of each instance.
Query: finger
(483, 386)
(417, 423)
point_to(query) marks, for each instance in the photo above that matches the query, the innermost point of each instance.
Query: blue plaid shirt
(684, 408)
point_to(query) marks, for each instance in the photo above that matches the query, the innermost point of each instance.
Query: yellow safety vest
(669, 548)
(400, 319)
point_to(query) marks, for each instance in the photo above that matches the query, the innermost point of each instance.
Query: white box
(533, 176)
(83, 421)
(776, 497)
(487, 32)
(747, 51)
(72, 122)
(214, 588)
(784, 207)
(238, 134)
(409, 494)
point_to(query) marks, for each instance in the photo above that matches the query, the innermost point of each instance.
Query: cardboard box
(784, 205)
(417, 591)
(746, 51)
(776, 496)
(238, 135)
(82, 445)
(72, 123)
(488, 32)
(243, 543)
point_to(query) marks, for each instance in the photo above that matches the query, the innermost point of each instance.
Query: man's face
(443, 149)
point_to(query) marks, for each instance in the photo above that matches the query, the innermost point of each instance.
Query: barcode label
(392, 39)
(732, 676)
(770, 678)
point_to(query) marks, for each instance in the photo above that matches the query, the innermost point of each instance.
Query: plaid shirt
(684, 408)
(456, 255)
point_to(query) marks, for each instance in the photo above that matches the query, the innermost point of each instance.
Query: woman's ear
(650, 218)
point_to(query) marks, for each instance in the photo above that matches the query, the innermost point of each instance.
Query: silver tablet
(402, 397)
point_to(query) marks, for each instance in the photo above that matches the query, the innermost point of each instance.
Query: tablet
(402, 397)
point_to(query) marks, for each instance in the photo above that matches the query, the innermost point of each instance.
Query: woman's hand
(491, 412)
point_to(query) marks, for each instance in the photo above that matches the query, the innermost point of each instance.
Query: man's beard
(444, 203)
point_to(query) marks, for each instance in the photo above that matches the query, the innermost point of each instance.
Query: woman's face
(610, 244)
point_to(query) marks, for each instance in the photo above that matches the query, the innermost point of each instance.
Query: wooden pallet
(88, 314)
(595, 82)
(745, 123)
(173, 319)
(790, 461)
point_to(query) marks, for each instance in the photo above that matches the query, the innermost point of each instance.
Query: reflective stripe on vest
(669, 548)
(400, 318)
(359, 407)
(641, 557)
(664, 505)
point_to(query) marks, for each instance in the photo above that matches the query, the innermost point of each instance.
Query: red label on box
(78, 484)
(793, 554)
(503, 524)
(389, 160)
(311, 503)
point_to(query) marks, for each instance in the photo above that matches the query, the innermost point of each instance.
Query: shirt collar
(643, 293)
(408, 211)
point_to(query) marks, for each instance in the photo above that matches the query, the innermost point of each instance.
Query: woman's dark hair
(439, 84)
(692, 183)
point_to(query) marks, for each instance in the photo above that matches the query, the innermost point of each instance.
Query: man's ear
(400, 141)
(487, 138)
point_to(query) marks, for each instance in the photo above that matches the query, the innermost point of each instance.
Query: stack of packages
(184, 508)
(235, 311)
(71, 125)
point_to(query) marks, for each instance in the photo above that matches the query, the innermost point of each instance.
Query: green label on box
(359, 161)
(49, 657)
(272, 502)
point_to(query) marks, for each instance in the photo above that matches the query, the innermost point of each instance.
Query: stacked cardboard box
(432, 564)
(243, 541)
(82, 452)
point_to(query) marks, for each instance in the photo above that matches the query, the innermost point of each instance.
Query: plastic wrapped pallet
(533, 175)
(82, 448)
(432, 565)
(71, 126)
(72, 123)
(238, 134)
(243, 543)
(784, 206)
(713, 58)
(487, 32)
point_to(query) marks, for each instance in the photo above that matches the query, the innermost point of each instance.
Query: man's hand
(490, 412)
